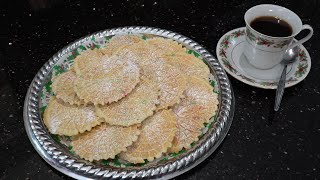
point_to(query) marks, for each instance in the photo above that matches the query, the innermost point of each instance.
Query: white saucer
(229, 53)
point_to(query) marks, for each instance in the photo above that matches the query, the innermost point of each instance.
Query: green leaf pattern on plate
(193, 53)
(48, 86)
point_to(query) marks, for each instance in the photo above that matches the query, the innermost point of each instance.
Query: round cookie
(198, 106)
(166, 46)
(141, 53)
(64, 119)
(171, 81)
(134, 108)
(119, 42)
(157, 133)
(62, 87)
(188, 64)
(112, 80)
(104, 141)
(87, 61)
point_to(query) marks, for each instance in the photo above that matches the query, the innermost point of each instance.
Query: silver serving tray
(62, 160)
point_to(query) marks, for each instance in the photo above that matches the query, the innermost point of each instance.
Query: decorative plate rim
(245, 80)
(77, 168)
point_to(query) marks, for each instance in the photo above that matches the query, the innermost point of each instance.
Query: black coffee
(271, 26)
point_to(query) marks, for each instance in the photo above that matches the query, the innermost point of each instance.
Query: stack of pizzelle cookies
(134, 98)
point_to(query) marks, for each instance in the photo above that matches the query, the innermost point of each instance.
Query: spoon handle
(280, 89)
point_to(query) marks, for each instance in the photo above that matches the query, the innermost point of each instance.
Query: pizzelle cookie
(156, 136)
(198, 106)
(62, 87)
(141, 53)
(112, 80)
(171, 81)
(104, 141)
(172, 84)
(134, 108)
(87, 61)
(166, 46)
(188, 64)
(64, 119)
(200, 92)
(119, 42)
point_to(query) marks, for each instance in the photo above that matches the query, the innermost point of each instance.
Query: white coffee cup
(263, 51)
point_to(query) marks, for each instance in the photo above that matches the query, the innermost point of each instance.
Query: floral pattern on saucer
(265, 42)
(224, 45)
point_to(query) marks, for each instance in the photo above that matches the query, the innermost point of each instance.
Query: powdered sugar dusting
(198, 106)
(157, 133)
(62, 87)
(134, 108)
(131, 83)
(109, 81)
(104, 142)
(64, 119)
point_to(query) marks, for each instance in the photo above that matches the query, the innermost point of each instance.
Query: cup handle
(306, 26)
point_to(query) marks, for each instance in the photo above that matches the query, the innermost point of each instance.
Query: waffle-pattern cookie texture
(112, 80)
(157, 133)
(62, 87)
(198, 106)
(134, 108)
(65, 119)
(188, 64)
(104, 141)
